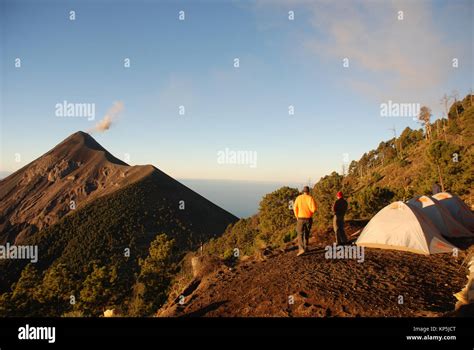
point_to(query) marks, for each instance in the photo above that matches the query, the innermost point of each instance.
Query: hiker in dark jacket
(436, 188)
(339, 209)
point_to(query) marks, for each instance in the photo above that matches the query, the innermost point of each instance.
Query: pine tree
(24, 296)
(155, 277)
(98, 292)
(58, 290)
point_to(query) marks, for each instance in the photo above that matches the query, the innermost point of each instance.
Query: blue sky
(191, 63)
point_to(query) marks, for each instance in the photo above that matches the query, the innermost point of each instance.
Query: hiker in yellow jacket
(304, 209)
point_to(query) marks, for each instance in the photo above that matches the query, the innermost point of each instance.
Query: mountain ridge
(72, 174)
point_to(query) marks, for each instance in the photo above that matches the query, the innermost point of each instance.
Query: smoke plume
(109, 117)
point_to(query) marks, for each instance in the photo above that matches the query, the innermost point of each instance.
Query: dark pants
(338, 223)
(303, 228)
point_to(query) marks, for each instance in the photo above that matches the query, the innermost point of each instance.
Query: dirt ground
(387, 283)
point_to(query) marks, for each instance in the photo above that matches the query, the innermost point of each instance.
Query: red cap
(339, 194)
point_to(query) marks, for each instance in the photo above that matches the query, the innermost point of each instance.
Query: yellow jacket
(304, 206)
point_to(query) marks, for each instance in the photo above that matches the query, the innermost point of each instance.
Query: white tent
(458, 209)
(401, 226)
(441, 217)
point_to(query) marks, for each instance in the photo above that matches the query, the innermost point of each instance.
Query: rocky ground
(387, 283)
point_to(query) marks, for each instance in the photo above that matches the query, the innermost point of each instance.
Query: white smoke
(109, 117)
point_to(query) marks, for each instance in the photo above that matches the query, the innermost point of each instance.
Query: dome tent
(440, 216)
(401, 226)
(458, 209)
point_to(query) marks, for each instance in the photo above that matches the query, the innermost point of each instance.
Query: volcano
(79, 171)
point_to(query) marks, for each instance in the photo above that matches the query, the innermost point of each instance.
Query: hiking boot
(300, 252)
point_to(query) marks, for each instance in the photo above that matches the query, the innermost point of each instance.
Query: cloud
(389, 58)
(409, 53)
(109, 117)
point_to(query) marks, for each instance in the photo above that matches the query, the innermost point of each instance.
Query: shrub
(291, 235)
(324, 193)
(156, 272)
(370, 200)
(276, 210)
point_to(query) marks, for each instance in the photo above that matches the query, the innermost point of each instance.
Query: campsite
(409, 266)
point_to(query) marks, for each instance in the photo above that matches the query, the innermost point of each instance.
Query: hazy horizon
(239, 197)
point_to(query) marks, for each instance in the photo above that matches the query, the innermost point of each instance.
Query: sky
(403, 57)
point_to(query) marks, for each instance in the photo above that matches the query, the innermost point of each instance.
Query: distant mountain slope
(404, 162)
(406, 166)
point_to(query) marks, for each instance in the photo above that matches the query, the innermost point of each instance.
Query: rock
(52, 176)
(203, 265)
(111, 313)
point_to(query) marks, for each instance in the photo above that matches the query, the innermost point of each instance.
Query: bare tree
(445, 103)
(455, 97)
(395, 140)
(424, 117)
